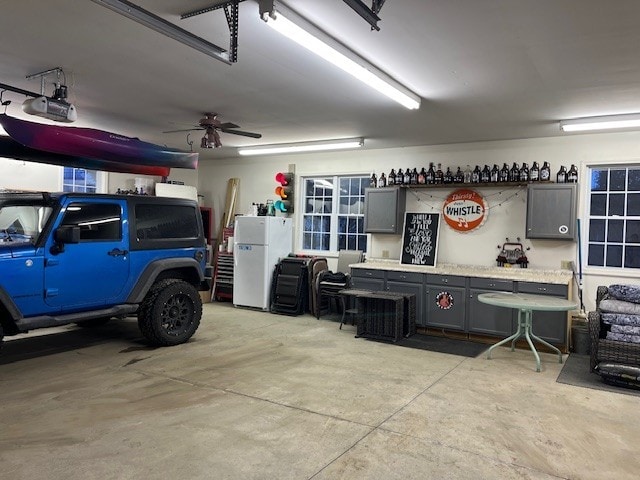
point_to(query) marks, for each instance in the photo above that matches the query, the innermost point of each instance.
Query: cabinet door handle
(444, 280)
(492, 284)
(542, 289)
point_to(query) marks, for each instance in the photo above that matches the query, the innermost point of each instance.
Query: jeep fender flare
(156, 268)
(7, 303)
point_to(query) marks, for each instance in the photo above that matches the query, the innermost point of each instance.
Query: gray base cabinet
(488, 319)
(466, 313)
(373, 280)
(401, 282)
(441, 313)
(550, 326)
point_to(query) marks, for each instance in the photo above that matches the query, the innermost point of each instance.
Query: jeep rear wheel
(170, 313)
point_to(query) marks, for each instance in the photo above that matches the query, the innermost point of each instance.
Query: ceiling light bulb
(303, 147)
(318, 42)
(608, 122)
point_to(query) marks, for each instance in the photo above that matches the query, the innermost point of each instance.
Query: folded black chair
(329, 284)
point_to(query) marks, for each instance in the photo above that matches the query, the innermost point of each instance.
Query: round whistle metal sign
(465, 210)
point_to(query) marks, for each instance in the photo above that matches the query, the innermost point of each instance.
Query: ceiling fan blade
(184, 130)
(244, 134)
(228, 125)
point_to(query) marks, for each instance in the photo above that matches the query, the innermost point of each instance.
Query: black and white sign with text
(420, 239)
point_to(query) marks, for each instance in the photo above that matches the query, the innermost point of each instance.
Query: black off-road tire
(94, 322)
(170, 313)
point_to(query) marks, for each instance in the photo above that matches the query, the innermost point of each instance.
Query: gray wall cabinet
(384, 209)
(551, 211)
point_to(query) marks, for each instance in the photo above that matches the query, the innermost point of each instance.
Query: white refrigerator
(258, 244)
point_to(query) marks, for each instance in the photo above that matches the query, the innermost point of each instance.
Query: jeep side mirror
(65, 234)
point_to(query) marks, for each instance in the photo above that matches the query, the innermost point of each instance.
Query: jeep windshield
(22, 218)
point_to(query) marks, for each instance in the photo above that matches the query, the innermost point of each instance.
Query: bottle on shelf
(407, 177)
(524, 173)
(373, 181)
(459, 176)
(514, 173)
(475, 175)
(422, 176)
(504, 173)
(439, 176)
(382, 180)
(399, 177)
(391, 178)
(561, 176)
(467, 174)
(430, 179)
(534, 173)
(545, 172)
(485, 174)
(413, 178)
(572, 174)
(448, 176)
(495, 174)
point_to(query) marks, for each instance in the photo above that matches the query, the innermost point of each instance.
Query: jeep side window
(97, 221)
(165, 222)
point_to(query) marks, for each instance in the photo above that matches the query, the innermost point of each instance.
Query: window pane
(97, 221)
(614, 256)
(616, 204)
(324, 207)
(614, 230)
(618, 180)
(633, 180)
(632, 235)
(598, 204)
(632, 257)
(599, 180)
(633, 204)
(156, 222)
(596, 230)
(596, 254)
(352, 242)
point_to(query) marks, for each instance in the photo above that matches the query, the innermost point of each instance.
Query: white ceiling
(485, 69)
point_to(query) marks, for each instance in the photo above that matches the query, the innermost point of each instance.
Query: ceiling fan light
(301, 31)
(609, 122)
(204, 143)
(303, 147)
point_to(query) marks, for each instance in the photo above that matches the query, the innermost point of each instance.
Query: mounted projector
(51, 108)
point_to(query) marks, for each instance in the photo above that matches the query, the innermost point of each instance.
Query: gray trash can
(580, 340)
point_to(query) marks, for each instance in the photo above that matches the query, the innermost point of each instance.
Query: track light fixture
(609, 122)
(291, 25)
(303, 147)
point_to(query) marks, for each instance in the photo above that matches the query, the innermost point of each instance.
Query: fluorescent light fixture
(293, 26)
(302, 147)
(164, 27)
(601, 123)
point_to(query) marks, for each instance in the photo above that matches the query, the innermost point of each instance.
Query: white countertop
(562, 277)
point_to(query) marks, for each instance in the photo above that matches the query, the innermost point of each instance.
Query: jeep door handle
(116, 252)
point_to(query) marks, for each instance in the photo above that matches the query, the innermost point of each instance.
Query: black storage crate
(381, 316)
(409, 316)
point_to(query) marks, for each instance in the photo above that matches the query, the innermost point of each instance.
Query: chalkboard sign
(420, 238)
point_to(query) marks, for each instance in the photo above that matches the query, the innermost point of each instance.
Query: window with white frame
(79, 180)
(614, 217)
(333, 213)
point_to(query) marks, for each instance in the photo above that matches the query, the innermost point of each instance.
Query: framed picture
(420, 238)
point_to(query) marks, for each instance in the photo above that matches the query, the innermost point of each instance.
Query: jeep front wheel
(170, 313)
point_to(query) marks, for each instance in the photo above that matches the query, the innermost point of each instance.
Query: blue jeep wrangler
(86, 258)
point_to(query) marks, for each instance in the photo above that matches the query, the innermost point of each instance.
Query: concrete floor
(261, 396)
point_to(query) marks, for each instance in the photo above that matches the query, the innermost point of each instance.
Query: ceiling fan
(211, 125)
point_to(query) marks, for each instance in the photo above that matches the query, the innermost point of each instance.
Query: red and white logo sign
(465, 210)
